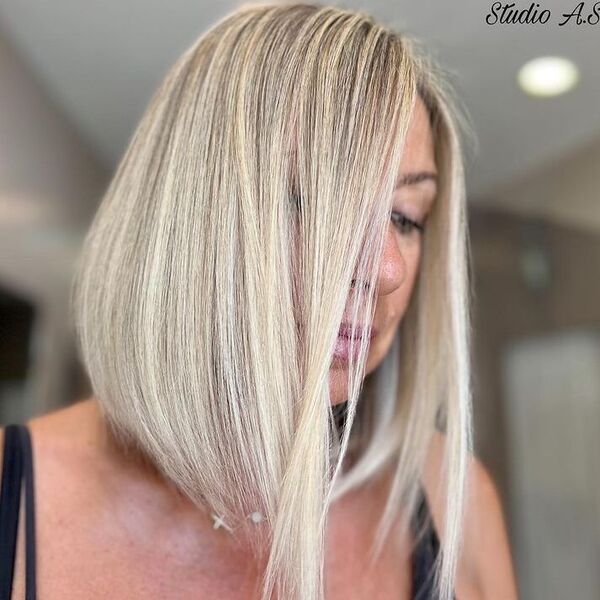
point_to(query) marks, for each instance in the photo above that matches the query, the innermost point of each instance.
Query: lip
(345, 331)
(346, 345)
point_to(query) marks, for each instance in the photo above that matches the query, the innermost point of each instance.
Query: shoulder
(64, 434)
(485, 564)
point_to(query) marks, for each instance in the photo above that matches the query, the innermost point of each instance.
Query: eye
(405, 225)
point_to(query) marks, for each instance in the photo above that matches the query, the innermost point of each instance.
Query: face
(413, 198)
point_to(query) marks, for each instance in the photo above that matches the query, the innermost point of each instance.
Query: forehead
(419, 152)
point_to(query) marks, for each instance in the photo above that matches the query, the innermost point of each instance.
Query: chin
(338, 386)
(338, 381)
(338, 373)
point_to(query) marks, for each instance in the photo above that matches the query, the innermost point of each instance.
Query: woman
(272, 307)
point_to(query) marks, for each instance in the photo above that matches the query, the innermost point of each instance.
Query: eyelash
(400, 219)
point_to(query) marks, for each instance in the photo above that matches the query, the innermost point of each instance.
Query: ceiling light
(548, 76)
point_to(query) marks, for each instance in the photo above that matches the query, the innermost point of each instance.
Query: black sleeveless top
(17, 468)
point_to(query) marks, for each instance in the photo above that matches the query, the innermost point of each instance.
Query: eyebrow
(413, 178)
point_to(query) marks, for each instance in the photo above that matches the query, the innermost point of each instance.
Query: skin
(107, 527)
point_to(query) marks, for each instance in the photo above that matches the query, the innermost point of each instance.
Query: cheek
(412, 268)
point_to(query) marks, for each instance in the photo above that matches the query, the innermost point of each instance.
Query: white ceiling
(101, 60)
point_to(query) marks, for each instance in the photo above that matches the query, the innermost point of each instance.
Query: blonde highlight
(207, 335)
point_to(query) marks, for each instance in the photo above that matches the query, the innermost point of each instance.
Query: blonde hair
(253, 196)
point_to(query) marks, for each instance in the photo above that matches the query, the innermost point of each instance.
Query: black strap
(425, 552)
(30, 581)
(17, 463)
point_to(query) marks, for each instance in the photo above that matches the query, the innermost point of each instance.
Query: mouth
(345, 331)
(346, 345)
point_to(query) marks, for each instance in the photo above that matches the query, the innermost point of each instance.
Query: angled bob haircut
(253, 196)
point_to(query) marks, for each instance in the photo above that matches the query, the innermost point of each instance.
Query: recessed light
(548, 76)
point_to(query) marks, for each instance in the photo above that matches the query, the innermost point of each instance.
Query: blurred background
(75, 78)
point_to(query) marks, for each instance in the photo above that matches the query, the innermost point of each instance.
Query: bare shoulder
(485, 568)
(68, 446)
(59, 459)
(69, 423)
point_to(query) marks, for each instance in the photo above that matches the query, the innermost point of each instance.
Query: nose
(392, 268)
